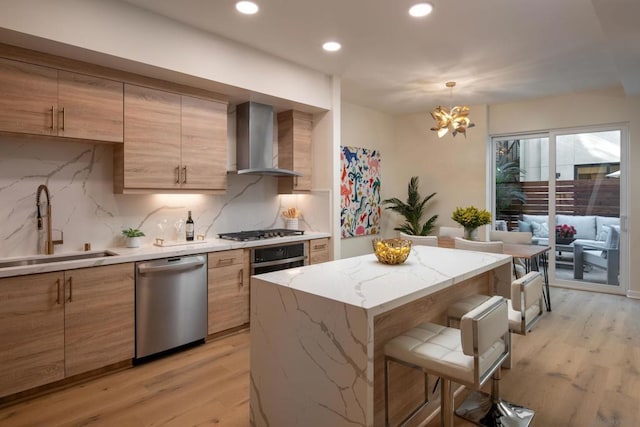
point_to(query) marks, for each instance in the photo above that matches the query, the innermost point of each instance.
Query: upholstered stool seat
(525, 305)
(468, 356)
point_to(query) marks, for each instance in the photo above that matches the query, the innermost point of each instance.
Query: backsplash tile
(80, 180)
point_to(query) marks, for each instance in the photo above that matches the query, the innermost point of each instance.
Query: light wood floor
(579, 367)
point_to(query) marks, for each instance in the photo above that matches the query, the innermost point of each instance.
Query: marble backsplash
(80, 180)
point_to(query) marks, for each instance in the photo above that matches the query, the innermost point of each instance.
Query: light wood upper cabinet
(172, 142)
(294, 150)
(150, 155)
(99, 317)
(319, 251)
(28, 98)
(228, 289)
(204, 144)
(89, 107)
(31, 331)
(45, 101)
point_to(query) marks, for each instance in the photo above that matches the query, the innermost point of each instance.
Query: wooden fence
(577, 197)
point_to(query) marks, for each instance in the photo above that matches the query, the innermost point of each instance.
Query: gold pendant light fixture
(455, 120)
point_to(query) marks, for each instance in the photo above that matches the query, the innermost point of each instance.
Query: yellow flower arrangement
(471, 217)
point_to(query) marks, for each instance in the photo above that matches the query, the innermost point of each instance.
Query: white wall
(367, 128)
(584, 109)
(453, 167)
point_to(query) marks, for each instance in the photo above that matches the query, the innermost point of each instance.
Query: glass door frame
(552, 134)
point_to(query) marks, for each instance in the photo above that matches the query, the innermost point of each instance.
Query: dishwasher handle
(177, 265)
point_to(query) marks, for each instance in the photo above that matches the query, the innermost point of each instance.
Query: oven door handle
(278, 262)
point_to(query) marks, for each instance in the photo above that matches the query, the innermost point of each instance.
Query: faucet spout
(49, 244)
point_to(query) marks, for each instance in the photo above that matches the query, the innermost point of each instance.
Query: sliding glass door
(568, 189)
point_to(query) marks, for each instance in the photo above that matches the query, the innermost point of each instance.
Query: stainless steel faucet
(49, 244)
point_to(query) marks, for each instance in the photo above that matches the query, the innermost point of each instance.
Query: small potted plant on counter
(133, 237)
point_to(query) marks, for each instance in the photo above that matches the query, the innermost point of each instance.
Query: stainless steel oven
(278, 257)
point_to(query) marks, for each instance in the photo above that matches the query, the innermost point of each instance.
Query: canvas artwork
(360, 191)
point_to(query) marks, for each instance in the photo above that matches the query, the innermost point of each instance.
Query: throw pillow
(540, 229)
(524, 226)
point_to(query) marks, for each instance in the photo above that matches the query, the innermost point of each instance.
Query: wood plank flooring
(579, 367)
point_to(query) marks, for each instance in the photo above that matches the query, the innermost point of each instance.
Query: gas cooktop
(244, 236)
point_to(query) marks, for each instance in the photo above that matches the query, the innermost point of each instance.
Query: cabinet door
(294, 150)
(99, 317)
(28, 98)
(151, 154)
(204, 144)
(31, 331)
(318, 251)
(89, 107)
(228, 290)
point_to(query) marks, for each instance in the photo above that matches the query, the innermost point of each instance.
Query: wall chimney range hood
(254, 141)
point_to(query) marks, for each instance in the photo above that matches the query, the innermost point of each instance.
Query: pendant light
(455, 120)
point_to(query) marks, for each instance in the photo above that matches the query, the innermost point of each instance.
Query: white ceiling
(497, 50)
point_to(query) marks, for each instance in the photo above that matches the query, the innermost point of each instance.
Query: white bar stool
(468, 356)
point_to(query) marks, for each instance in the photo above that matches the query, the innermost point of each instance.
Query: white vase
(133, 242)
(291, 224)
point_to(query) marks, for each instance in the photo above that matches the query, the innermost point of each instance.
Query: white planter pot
(133, 242)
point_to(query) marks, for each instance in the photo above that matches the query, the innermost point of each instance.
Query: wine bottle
(190, 227)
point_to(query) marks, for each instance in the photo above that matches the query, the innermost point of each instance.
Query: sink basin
(55, 258)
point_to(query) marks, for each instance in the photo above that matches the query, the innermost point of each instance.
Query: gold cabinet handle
(62, 126)
(225, 261)
(184, 172)
(320, 246)
(242, 277)
(295, 181)
(53, 118)
(58, 292)
(70, 289)
(178, 174)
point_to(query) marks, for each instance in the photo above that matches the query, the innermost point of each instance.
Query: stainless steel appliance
(273, 257)
(244, 236)
(171, 303)
(278, 257)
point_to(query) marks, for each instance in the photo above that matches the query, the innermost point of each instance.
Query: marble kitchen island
(317, 332)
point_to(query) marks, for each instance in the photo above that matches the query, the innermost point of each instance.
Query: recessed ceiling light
(331, 46)
(421, 9)
(247, 7)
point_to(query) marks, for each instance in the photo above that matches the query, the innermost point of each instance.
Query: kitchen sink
(43, 259)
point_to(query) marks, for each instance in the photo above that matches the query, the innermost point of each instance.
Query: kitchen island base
(318, 361)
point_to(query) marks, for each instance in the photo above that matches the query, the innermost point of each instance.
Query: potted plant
(471, 218)
(132, 237)
(413, 211)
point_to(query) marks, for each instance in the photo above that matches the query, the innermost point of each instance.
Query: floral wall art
(359, 191)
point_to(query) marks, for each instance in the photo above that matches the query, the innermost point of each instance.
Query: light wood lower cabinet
(319, 251)
(228, 287)
(56, 325)
(99, 317)
(31, 331)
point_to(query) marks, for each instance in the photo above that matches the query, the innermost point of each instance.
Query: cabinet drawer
(225, 258)
(318, 251)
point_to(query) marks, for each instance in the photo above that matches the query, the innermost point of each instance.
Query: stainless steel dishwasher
(171, 303)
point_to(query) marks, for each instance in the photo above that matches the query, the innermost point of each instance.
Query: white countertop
(364, 282)
(147, 252)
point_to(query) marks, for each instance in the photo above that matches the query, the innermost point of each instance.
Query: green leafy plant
(132, 232)
(413, 211)
(471, 217)
(508, 186)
